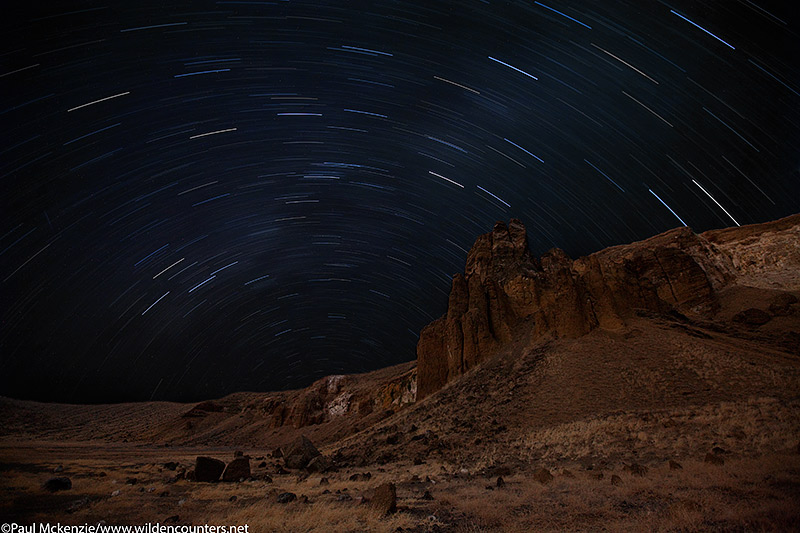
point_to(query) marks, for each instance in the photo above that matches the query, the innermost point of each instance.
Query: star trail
(214, 196)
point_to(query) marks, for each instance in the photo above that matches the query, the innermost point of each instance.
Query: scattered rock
(752, 317)
(286, 497)
(384, 499)
(55, 484)
(616, 480)
(208, 469)
(299, 453)
(674, 465)
(237, 469)
(714, 459)
(543, 476)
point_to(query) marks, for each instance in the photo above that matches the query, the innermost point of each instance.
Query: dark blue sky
(245, 195)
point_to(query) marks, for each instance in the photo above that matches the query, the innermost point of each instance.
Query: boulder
(237, 469)
(208, 469)
(384, 499)
(299, 453)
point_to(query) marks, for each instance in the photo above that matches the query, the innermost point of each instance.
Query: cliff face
(505, 292)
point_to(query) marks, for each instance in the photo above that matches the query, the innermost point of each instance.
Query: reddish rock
(384, 499)
(299, 453)
(543, 476)
(237, 469)
(208, 469)
(504, 289)
(752, 317)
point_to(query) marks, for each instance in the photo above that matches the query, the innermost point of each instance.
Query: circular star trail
(216, 196)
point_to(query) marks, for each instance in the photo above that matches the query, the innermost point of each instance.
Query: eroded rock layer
(505, 289)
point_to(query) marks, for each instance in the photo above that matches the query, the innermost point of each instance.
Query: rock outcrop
(505, 290)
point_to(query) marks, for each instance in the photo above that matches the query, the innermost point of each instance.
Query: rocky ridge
(505, 291)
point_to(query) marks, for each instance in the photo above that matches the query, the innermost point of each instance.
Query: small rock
(58, 469)
(384, 499)
(500, 482)
(303, 498)
(426, 495)
(208, 469)
(344, 497)
(163, 494)
(55, 484)
(266, 479)
(616, 480)
(172, 519)
(324, 481)
(716, 450)
(77, 505)
(286, 497)
(636, 469)
(115, 493)
(238, 453)
(171, 465)
(233, 498)
(543, 476)
(262, 464)
(131, 481)
(675, 465)
(752, 317)
(714, 459)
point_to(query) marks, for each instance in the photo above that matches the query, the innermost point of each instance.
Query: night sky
(246, 195)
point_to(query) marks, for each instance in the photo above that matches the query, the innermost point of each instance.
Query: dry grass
(753, 427)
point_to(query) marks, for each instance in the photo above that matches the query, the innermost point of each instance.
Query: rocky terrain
(653, 386)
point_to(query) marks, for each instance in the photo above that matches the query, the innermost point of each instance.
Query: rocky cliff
(506, 292)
